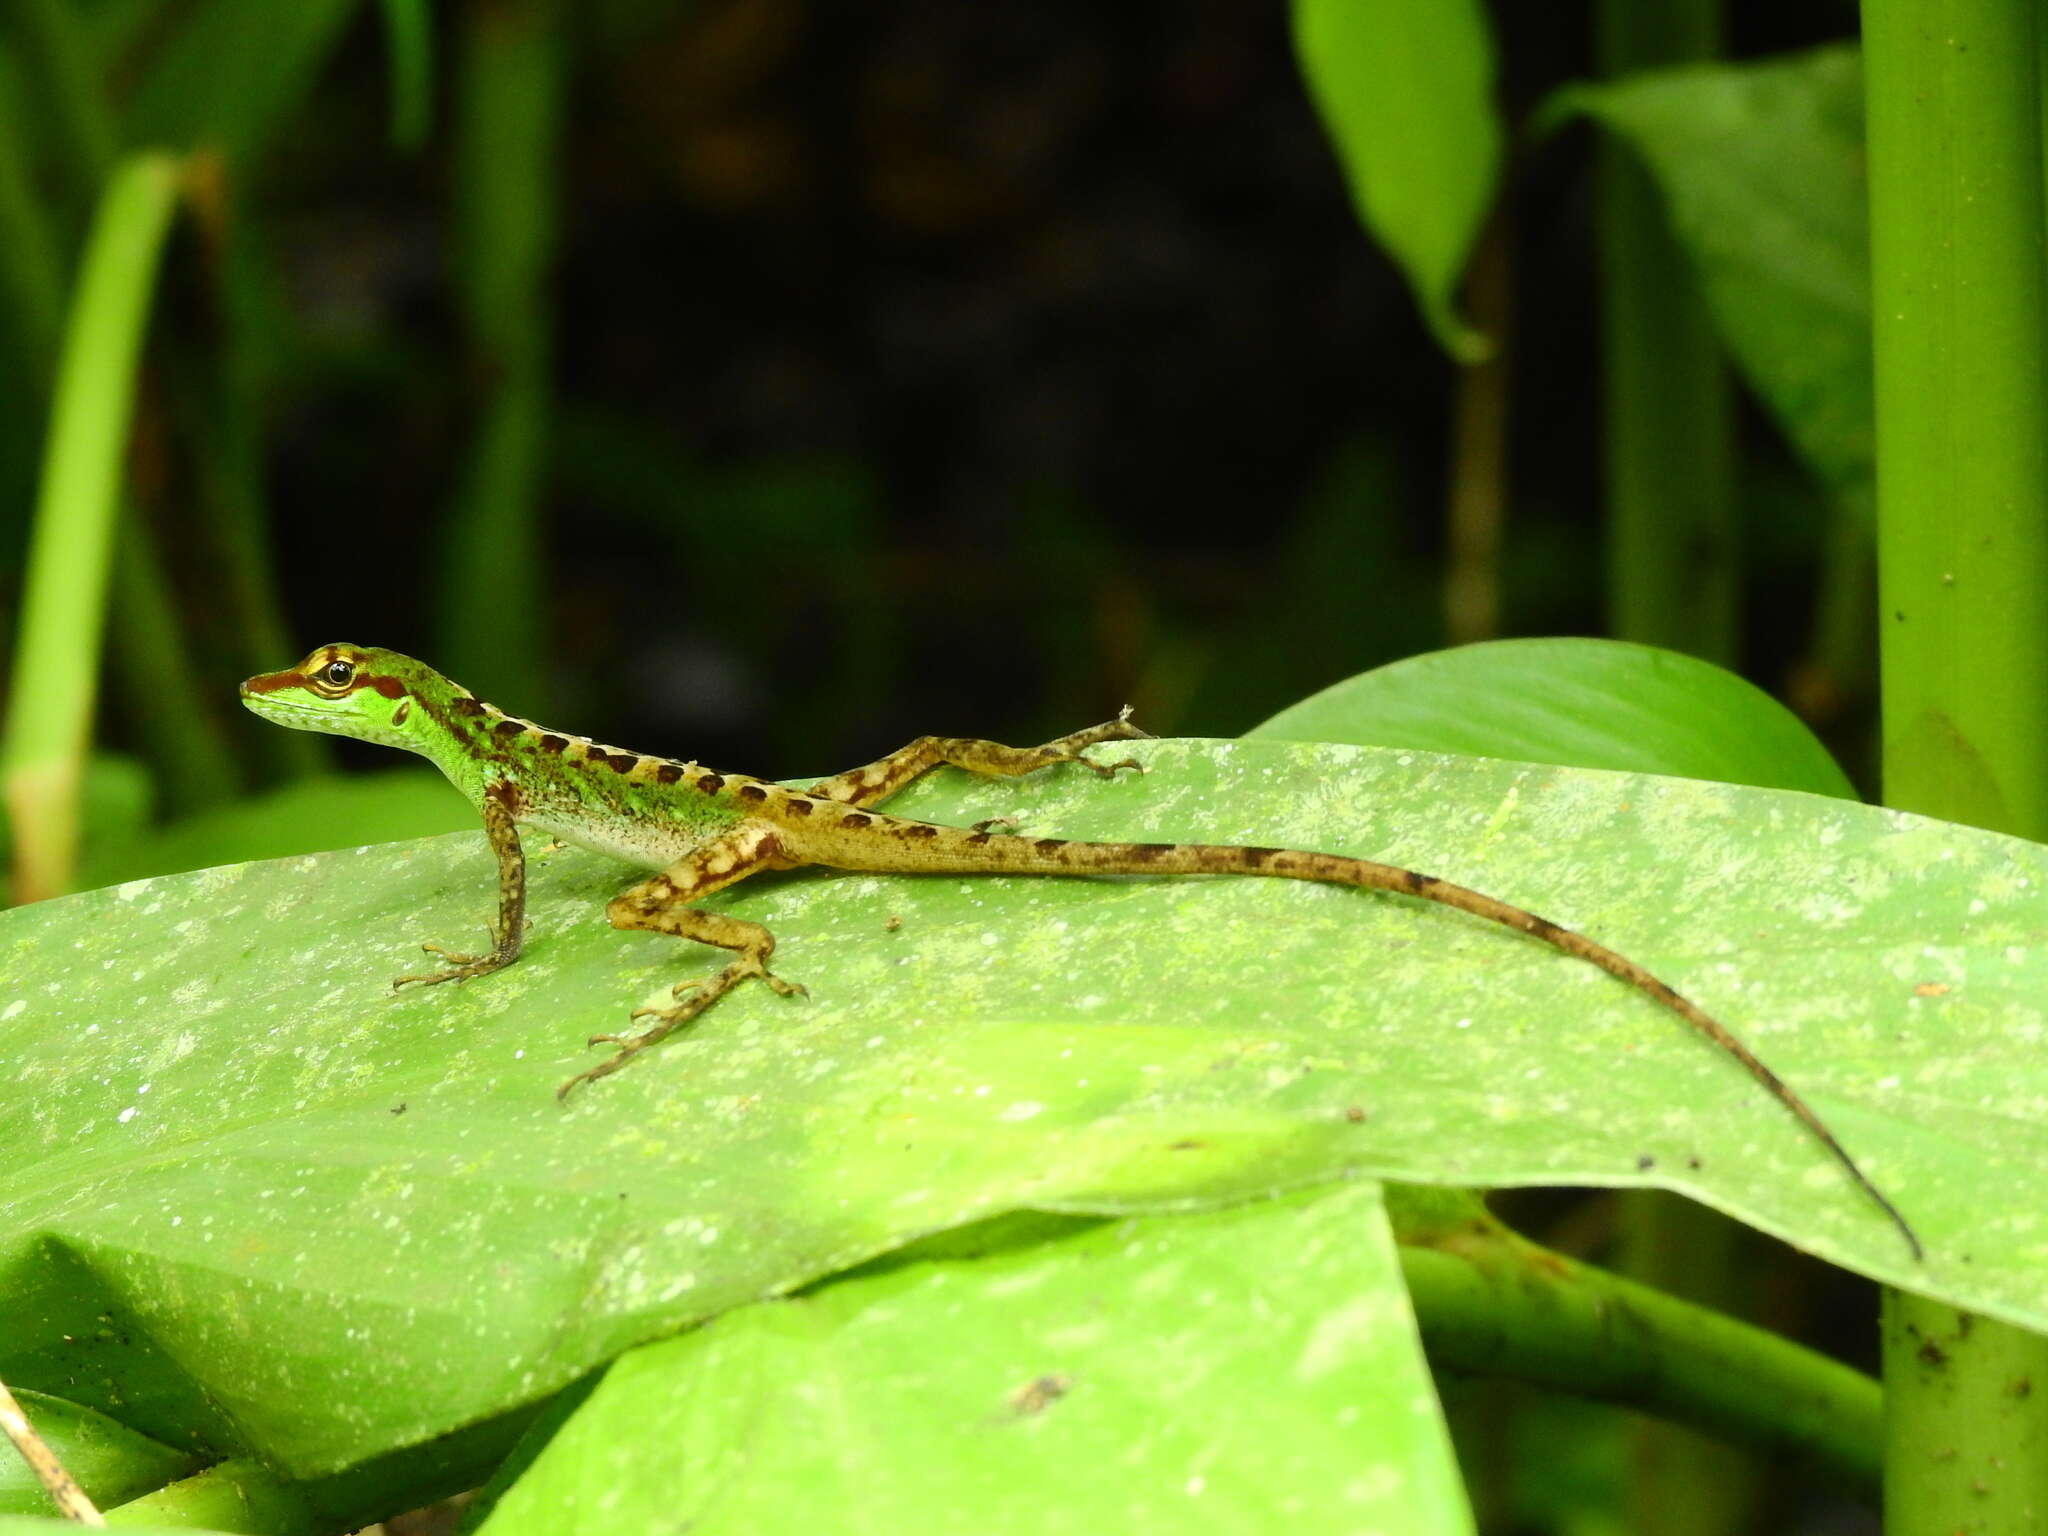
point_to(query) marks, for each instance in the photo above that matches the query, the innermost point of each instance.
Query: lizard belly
(649, 847)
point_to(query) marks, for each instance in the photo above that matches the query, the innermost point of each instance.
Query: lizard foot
(692, 998)
(461, 967)
(1071, 749)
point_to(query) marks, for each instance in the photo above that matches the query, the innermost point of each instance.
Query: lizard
(701, 831)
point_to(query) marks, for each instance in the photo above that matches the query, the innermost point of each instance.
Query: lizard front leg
(662, 905)
(508, 933)
(884, 776)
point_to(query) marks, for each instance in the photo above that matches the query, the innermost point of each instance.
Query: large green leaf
(1762, 168)
(236, 1167)
(1178, 1377)
(1578, 703)
(1406, 95)
(230, 72)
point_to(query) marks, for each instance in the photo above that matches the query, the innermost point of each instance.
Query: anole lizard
(703, 831)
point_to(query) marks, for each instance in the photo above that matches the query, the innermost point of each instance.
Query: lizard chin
(323, 717)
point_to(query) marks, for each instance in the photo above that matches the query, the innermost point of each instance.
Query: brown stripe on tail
(1018, 855)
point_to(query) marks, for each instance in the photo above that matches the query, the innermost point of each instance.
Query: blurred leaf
(112, 1463)
(933, 1396)
(232, 1137)
(1762, 168)
(1406, 94)
(1578, 703)
(231, 71)
(309, 816)
(32, 1525)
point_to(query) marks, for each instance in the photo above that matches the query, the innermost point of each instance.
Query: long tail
(1055, 856)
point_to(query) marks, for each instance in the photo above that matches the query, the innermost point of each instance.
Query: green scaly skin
(703, 830)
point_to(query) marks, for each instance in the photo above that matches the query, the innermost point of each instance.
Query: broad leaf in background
(228, 74)
(30, 1525)
(267, 1170)
(1178, 1375)
(1762, 168)
(1575, 702)
(1405, 93)
(310, 816)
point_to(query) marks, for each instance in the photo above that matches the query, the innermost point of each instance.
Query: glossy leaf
(1762, 168)
(1405, 93)
(269, 1171)
(1249, 1369)
(1575, 702)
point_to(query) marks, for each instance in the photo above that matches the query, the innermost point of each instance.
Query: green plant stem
(49, 714)
(1490, 1302)
(1953, 108)
(222, 388)
(491, 592)
(409, 41)
(1673, 545)
(1673, 580)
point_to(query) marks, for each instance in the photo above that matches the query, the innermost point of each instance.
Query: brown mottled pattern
(857, 819)
(624, 762)
(668, 773)
(468, 705)
(800, 805)
(710, 784)
(753, 792)
(552, 743)
(509, 727)
(919, 829)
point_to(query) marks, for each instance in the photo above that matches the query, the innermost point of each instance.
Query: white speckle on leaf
(14, 1009)
(126, 1115)
(1023, 1109)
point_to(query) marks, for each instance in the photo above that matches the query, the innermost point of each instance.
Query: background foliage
(768, 382)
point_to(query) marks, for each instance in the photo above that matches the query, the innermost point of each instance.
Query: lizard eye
(338, 674)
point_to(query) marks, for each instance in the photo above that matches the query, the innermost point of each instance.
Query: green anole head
(355, 690)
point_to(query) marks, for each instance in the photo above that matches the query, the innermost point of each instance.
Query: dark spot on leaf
(668, 773)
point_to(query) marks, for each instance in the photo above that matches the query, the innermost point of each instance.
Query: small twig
(61, 1486)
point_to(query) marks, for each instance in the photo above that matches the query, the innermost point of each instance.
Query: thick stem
(1491, 1303)
(49, 715)
(1953, 109)
(1673, 547)
(508, 104)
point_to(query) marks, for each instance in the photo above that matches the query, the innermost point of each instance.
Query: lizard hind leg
(661, 905)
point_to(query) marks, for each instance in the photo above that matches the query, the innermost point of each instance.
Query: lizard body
(702, 830)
